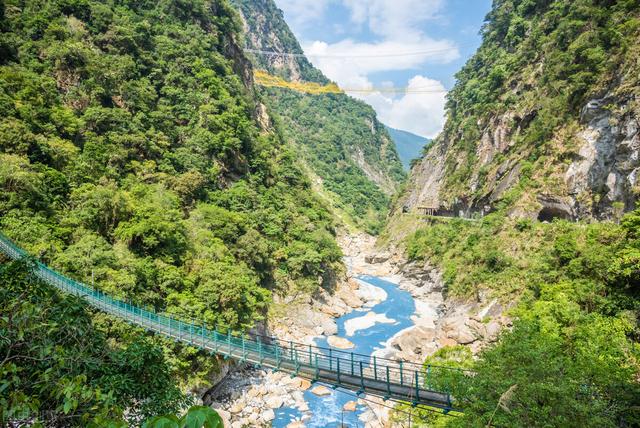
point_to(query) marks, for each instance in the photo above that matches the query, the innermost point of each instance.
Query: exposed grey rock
(506, 183)
(554, 207)
(608, 159)
(377, 258)
(414, 340)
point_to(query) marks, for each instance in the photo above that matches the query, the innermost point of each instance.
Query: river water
(368, 329)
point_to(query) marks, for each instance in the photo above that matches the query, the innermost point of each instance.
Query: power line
(380, 55)
(396, 91)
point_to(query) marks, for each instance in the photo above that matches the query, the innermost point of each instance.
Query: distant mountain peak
(408, 145)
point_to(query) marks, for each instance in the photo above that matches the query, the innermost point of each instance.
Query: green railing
(396, 380)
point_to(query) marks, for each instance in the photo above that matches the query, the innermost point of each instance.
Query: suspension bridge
(392, 380)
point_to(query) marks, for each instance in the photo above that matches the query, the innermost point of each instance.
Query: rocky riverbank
(439, 321)
(249, 397)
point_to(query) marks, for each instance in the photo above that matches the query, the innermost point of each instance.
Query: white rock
(425, 310)
(362, 323)
(236, 408)
(340, 342)
(371, 294)
(350, 406)
(274, 402)
(321, 391)
(226, 417)
(300, 383)
(253, 418)
(303, 407)
(268, 415)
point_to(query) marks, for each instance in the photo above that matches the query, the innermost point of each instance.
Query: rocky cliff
(544, 117)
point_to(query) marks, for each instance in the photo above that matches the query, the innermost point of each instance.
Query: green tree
(59, 368)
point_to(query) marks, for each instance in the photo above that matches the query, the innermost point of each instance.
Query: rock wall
(533, 124)
(608, 160)
(596, 172)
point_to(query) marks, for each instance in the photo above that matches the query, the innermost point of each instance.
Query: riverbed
(369, 329)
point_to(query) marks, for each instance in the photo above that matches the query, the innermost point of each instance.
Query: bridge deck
(394, 380)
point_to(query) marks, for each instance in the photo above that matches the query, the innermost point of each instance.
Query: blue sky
(361, 44)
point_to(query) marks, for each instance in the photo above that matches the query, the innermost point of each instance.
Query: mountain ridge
(340, 137)
(525, 130)
(410, 146)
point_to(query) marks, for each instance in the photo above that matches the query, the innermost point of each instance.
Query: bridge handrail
(400, 372)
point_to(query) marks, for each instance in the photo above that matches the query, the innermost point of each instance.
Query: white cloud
(300, 13)
(393, 18)
(395, 27)
(348, 56)
(421, 113)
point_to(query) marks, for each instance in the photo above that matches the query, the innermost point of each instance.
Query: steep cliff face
(266, 30)
(544, 117)
(341, 139)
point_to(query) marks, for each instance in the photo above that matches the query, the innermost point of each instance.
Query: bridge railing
(304, 357)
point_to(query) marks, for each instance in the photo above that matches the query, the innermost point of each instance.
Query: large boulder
(340, 342)
(350, 406)
(377, 258)
(274, 401)
(456, 328)
(321, 391)
(349, 297)
(415, 341)
(268, 415)
(329, 327)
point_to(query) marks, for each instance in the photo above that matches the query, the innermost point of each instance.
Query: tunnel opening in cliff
(549, 214)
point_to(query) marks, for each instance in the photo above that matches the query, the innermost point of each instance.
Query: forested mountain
(542, 140)
(544, 115)
(408, 145)
(341, 139)
(134, 156)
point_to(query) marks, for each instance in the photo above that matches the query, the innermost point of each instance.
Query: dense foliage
(130, 157)
(572, 356)
(539, 63)
(195, 417)
(573, 353)
(330, 129)
(58, 366)
(340, 137)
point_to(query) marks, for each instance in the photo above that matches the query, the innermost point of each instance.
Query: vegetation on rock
(514, 114)
(573, 351)
(62, 367)
(340, 137)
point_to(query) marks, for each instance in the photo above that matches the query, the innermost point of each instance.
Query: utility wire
(380, 55)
